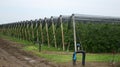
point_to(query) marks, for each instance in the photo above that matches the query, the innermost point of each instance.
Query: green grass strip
(28, 46)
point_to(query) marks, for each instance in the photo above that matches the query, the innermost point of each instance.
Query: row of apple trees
(93, 37)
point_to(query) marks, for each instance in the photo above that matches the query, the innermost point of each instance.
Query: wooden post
(24, 31)
(13, 31)
(37, 30)
(74, 31)
(62, 32)
(10, 29)
(20, 30)
(47, 32)
(2, 29)
(17, 30)
(32, 29)
(7, 29)
(41, 30)
(53, 26)
(28, 30)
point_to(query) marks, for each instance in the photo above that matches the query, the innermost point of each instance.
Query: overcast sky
(17, 10)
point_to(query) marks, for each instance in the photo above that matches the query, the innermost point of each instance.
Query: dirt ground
(11, 55)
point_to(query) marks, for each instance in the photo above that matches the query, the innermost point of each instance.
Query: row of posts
(25, 30)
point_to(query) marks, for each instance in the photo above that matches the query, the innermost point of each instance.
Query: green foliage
(98, 38)
(94, 37)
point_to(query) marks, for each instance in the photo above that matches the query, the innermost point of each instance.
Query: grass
(58, 57)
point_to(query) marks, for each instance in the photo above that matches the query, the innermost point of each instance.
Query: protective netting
(94, 33)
